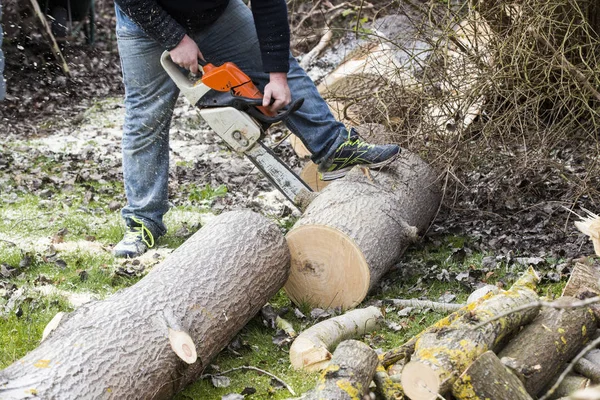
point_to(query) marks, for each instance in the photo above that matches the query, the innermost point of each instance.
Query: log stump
(356, 229)
(201, 295)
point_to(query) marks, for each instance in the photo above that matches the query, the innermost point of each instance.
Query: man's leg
(233, 38)
(150, 97)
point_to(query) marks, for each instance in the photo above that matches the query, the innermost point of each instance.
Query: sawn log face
(210, 287)
(357, 228)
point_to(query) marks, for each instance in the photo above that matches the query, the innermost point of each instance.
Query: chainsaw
(232, 106)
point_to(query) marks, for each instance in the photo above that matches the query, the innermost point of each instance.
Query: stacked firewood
(505, 345)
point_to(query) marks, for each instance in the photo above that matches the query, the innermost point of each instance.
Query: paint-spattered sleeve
(154, 20)
(271, 20)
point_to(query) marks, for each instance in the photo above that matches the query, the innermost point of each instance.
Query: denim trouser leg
(233, 38)
(150, 97)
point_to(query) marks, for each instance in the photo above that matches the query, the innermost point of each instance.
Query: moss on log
(487, 378)
(441, 355)
(539, 352)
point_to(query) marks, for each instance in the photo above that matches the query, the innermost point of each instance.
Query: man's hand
(186, 54)
(277, 89)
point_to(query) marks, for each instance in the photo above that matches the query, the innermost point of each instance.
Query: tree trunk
(119, 348)
(356, 229)
(349, 374)
(539, 352)
(569, 385)
(588, 369)
(488, 378)
(441, 355)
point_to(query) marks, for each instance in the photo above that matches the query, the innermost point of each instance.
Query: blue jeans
(150, 97)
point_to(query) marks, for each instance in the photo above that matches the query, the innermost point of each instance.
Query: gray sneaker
(137, 240)
(355, 151)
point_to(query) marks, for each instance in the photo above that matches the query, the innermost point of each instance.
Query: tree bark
(441, 355)
(209, 288)
(357, 228)
(570, 385)
(584, 277)
(311, 350)
(488, 378)
(588, 369)
(349, 374)
(539, 352)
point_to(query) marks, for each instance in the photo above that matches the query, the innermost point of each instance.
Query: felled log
(488, 378)
(540, 351)
(348, 375)
(590, 393)
(311, 350)
(441, 356)
(119, 348)
(356, 229)
(588, 369)
(584, 277)
(569, 385)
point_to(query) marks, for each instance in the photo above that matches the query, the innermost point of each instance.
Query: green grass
(33, 225)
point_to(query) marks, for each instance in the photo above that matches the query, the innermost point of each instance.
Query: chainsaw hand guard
(227, 99)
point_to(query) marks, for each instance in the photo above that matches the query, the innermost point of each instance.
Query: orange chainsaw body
(228, 76)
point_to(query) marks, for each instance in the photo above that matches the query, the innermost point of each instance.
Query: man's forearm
(154, 20)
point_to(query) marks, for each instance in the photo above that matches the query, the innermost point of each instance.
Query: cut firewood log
(441, 356)
(348, 375)
(120, 348)
(488, 378)
(584, 277)
(539, 352)
(569, 385)
(387, 388)
(356, 229)
(312, 348)
(588, 369)
(400, 356)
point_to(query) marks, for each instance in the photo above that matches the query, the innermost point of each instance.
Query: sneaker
(355, 151)
(137, 240)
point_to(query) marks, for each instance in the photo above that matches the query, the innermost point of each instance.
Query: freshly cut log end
(310, 175)
(420, 382)
(337, 274)
(309, 357)
(357, 228)
(183, 345)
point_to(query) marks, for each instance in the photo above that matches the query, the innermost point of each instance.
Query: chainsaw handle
(193, 91)
(249, 105)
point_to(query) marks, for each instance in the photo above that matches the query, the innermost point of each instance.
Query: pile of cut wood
(505, 345)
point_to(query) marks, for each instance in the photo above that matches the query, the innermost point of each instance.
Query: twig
(539, 303)
(288, 387)
(436, 306)
(570, 367)
(8, 242)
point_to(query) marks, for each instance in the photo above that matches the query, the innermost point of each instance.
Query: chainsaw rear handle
(193, 91)
(249, 105)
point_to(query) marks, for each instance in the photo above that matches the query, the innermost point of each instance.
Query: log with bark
(488, 378)
(348, 375)
(357, 228)
(540, 351)
(440, 356)
(585, 276)
(201, 296)
(311, 350)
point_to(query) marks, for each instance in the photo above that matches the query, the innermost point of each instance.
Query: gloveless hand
(186, 54)
(278, 90)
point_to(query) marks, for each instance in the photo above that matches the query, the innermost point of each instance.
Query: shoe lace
(140, 231)
(358, 142)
